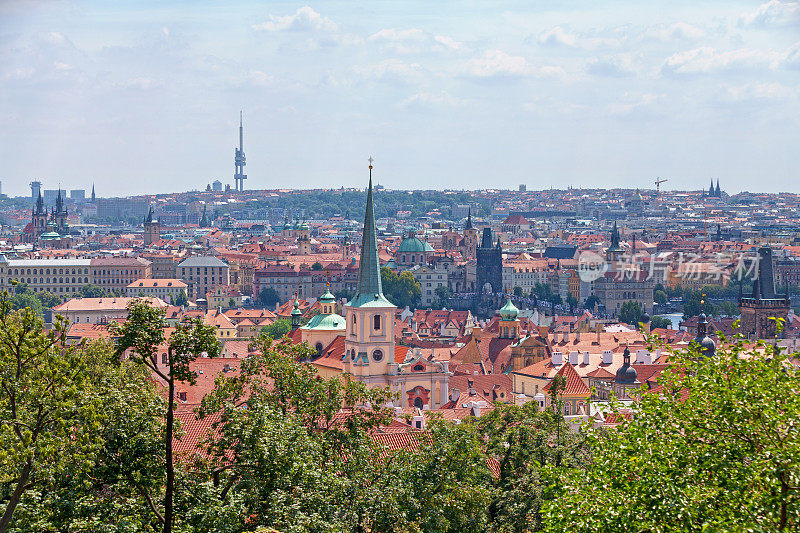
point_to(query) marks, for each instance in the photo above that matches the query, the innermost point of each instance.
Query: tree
(48, 299)
(572, 302)
(181, 299)
(630, 312)
(112, 490)
(694, 304)
(343, 294)
(528, 443)
(714, 447)
(518, 291)
(442, 293)
(591, 302)
(402, 290)
(268, 297)
(726, 309)
(26, 299)
(660, 297)
(317, 266)
(140, 336)
(277, 330)
(44, 395)
(291, 458)
(91, 291)
(660, 322)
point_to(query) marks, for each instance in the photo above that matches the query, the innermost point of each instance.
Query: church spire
(369, 269)
(469, 218)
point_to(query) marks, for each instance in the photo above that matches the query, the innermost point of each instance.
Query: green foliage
(48, 407)
(442, 293)
(591, 302)
(401, 289)
(92, 291)
(630, 312)
(716, 450)
(182, 299)
(292, 462)
(660, 322)
(694, 304)
(140, 337)
(530, 446)
(660, 297)
(268, 297)
(277, 330)
(317, 266)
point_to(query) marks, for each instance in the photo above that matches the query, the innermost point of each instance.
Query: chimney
(476, 333)
(598, 327)
(454, 394)
(608, 357)
(577, 335)
(586, 357)
(573, 357)
(643, 356)
(557, 358)
(566, 335)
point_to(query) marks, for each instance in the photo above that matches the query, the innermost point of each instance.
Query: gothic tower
(369, 342)
(764, 304)
(152, 228)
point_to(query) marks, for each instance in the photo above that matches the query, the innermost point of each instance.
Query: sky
(142, 97)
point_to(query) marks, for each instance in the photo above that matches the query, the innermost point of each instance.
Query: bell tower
(369, 341)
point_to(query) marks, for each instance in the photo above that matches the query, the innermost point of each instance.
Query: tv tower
(239, 160)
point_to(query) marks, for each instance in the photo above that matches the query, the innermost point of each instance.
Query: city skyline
(143, 100)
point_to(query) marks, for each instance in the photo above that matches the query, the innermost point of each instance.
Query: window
(419, 404)
(418, 368)
(377, 356)
(319, 348)
(164, 359)
(376, 322)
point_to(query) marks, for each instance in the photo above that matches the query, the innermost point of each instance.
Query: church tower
(39, 218)
(152, 228)
(369, 342)
(470, 242)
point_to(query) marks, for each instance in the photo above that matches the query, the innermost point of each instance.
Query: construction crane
(659, 181)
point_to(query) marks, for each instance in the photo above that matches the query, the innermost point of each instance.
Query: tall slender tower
(239, 160)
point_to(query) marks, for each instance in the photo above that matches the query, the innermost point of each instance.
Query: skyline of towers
(239, 160)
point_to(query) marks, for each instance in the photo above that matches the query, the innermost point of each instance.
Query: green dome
(332, 321)
(327, 298)
(296, 310)
(411, 245)
(509, 311)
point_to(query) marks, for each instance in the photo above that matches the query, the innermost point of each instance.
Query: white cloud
(448, 42)
(679, 31)
(759, 91)
(772, 13)
(304, 19)
(413, 40)
(498, 63)
(390, 69)
(440, 99)
(611, 67)
(401, 41)
(792, 58)
(631, 102)
(260, 78)
(558, 36)
(707, 59)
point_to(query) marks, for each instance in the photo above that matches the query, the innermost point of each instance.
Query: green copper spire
(370, 290)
